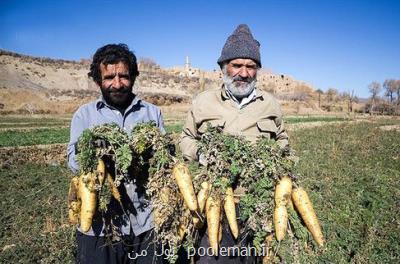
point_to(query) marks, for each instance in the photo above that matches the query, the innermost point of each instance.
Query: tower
(187, 64)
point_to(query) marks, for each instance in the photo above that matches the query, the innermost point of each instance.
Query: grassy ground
(34, 137)
(52, 130)
(25, 131)
(38, 119)
(351, 171)
(33, 215)
(43, 136)
(295, 120)
(10, 126)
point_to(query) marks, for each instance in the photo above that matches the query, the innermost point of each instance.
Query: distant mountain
(36, 84)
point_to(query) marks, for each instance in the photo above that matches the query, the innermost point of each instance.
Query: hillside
(43, 85)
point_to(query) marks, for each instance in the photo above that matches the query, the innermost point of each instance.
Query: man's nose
(117, 82)
(243, 72)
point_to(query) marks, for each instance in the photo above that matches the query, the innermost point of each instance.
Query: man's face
(116, 84)
(240, 76)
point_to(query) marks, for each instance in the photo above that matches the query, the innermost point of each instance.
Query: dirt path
(53, 154)
(390, 128)
(30, 123)
(305, 125)
(4, 129)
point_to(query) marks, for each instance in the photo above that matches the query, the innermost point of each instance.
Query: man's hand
(100, 143)
(171, 149)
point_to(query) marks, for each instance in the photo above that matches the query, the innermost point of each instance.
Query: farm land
(350, 165)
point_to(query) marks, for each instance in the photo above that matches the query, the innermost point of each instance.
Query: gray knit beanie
(240, 44)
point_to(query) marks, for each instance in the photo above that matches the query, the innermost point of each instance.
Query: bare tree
(350, 98)
(389, 85)
(374, 89)
(147, 64)
(332, 93)
(398, 91)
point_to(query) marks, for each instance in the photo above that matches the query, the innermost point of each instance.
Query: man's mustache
(243, 79)
(120, 90)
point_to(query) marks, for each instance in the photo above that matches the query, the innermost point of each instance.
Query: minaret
(187, 64)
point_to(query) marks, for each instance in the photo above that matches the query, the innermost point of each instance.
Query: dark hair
(112, 54)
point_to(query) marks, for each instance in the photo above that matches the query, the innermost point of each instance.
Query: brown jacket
(262, 116)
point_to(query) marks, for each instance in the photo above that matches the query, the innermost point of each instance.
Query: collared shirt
(98, 113)
(260, 116)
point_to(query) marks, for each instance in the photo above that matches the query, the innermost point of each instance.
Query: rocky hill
(43, 85)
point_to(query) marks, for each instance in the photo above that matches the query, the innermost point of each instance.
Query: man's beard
(119, 98)
(239, 90)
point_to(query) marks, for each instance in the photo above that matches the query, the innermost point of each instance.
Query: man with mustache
(114, 69)
(238, 108)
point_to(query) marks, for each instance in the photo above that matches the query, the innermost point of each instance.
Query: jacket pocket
(214, 123)
(267, 127)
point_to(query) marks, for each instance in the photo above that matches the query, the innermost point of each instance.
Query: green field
(33, 215)
(306, 119)
(351, 171)
(32, 125)
(42, 136)
(10, 138)
(22, 131)
(41, 120)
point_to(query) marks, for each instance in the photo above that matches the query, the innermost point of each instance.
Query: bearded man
(114, 69)
(238, 108)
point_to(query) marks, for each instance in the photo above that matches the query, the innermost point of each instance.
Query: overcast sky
(342, 44)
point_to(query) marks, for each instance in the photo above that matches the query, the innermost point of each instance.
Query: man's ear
(133, 79)
(223, 66)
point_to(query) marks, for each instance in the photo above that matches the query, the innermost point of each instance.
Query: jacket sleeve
(281, 137)
(189, 137)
